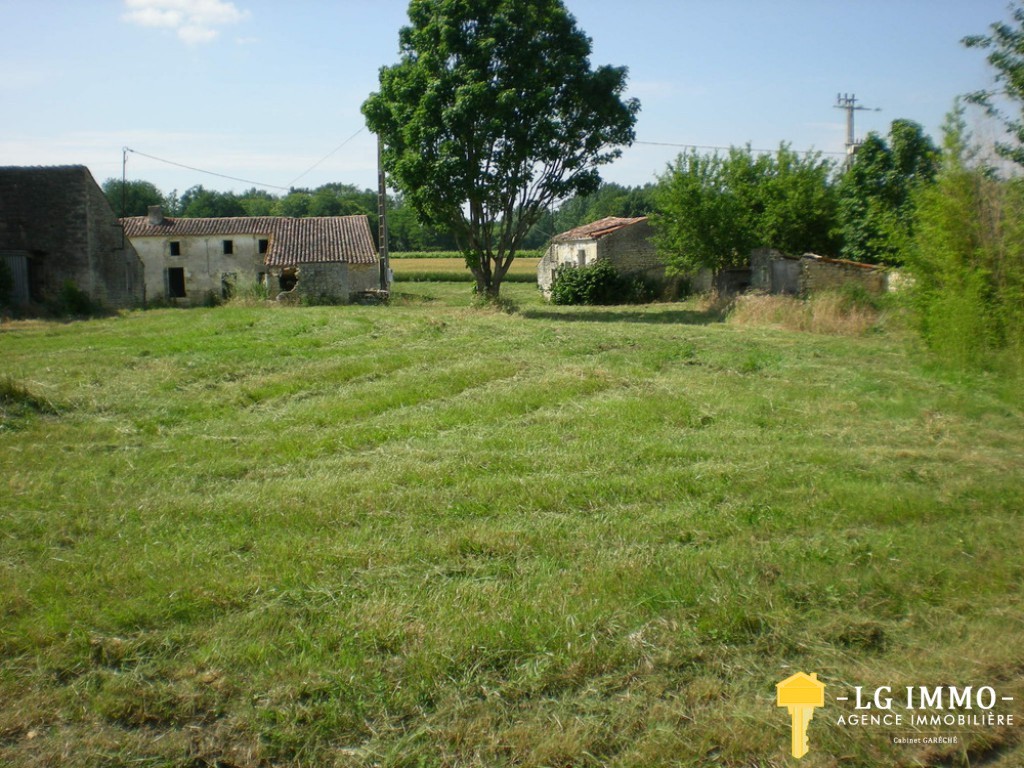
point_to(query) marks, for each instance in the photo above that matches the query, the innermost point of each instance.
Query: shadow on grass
(655, 317)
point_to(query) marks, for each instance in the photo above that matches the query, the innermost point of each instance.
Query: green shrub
(597, 283)
(72, 301)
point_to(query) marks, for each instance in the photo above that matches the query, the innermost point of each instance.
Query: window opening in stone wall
(229, 247)
(175, 282)
(264, 245)
(288, 279)
(175, 248)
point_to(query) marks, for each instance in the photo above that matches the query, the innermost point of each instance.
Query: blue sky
(264, 89)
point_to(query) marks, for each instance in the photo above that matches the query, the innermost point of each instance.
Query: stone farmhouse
(56, 228)
(190, 261)
(626, 243)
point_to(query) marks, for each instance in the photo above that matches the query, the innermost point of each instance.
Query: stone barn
(191, 261)
(326, 259)
(56, 228)
(626, 243)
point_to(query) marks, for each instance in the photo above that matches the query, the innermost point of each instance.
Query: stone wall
(332, 282)
(61, 220)
(773, 272)
(630, 249)
(831, 274)
(207, 269)
(116, 269)
(363, 277)
(574, 253)
(323, 282)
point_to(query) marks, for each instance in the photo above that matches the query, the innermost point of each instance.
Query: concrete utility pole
(848, 101)
(382, 221)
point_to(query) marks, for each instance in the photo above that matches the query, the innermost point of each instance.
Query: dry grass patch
(831, 313)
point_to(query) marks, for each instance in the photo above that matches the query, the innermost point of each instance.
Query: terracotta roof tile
(292, 241)
(597, 229)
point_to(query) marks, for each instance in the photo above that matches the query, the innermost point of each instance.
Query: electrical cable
(699, 146)
(325, 157)
(200, 170)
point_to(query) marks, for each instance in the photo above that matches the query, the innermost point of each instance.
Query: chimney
(156, 215)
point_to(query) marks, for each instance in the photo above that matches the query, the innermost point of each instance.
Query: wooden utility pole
(382, 221)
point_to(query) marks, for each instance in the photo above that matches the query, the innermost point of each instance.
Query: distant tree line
(405, 233)
(334, 199)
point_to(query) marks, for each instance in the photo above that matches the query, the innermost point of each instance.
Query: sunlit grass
(432, 534)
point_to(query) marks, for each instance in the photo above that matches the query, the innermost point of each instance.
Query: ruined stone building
(188, 261)
(626, 243)
(56, 228)
(772, 271)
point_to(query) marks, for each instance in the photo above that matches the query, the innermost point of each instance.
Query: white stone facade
(627, 243)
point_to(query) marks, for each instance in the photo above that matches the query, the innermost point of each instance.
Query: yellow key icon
(800, 694)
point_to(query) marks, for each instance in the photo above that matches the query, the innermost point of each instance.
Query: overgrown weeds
(831, 312)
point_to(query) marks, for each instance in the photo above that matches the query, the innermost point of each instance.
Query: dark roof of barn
(597, 229)
(292, 241)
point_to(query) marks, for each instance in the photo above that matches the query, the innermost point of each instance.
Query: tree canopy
(877, 194)
(1005, 43)
(712, 210)
(493, 113)
(131, 198)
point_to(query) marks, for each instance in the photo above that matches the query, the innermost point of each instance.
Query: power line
(325, 157)
(726, 149)
(200, 170)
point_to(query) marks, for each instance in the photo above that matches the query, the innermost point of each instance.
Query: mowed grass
(429, 534)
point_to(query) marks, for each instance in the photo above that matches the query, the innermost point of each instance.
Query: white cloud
(196, 21)
(193, 34)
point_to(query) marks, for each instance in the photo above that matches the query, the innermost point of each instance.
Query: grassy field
(420, 270)
(429, 534)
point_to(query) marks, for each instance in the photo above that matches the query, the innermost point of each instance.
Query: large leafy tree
(877, 194)
(201, 203)
(131, 198)
(1005, 43)
(712, 210)
(492, 113)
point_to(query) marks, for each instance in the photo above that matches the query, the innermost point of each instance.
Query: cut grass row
(432, 535)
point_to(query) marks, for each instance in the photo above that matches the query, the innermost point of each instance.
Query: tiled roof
(292, 241)
(329, 238)
(844, 262)
(597, 229)
(139, 226)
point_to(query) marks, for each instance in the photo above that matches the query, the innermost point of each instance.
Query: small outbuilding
(772, 271)
(56, 229)
(625, 242)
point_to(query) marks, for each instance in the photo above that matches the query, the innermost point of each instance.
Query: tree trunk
(488, 284)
